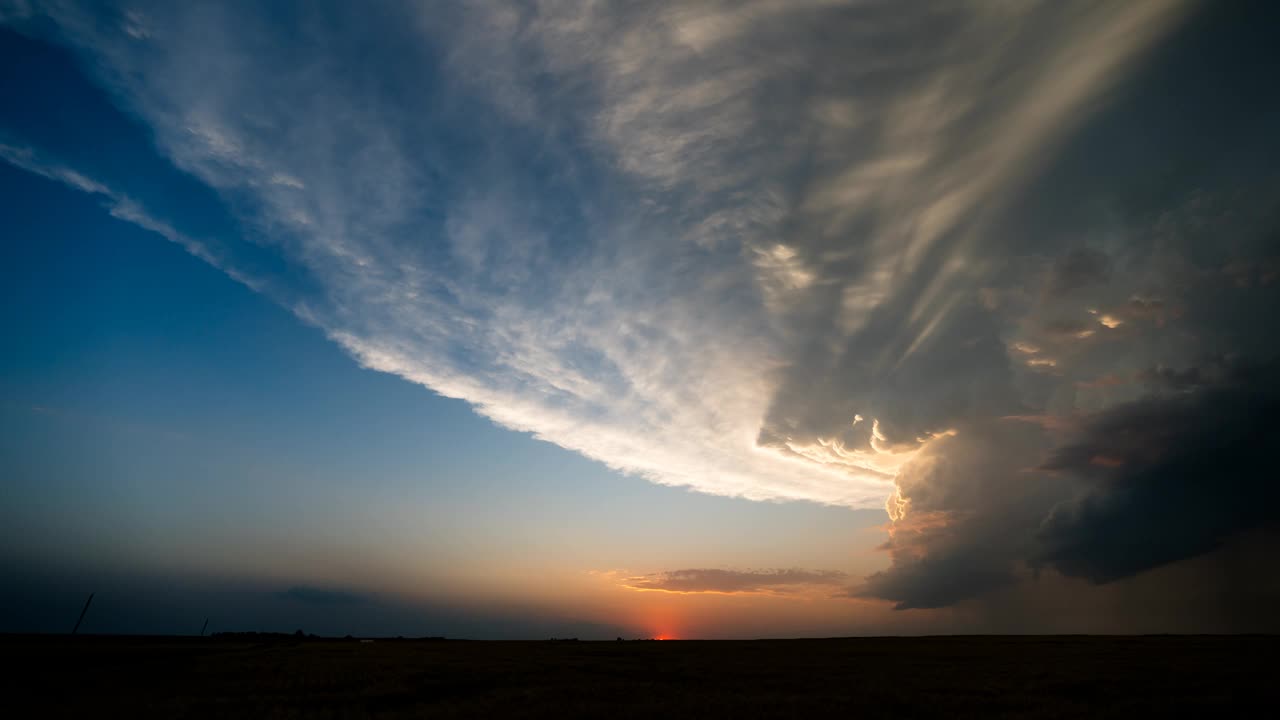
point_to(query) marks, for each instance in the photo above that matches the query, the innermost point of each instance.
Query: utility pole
(204, 627)
(82, 612)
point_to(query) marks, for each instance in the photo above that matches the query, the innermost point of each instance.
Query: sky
(681, 320)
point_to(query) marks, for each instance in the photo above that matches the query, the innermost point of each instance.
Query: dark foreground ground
(1039, 677)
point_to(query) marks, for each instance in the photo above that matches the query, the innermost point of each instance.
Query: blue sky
(707, 319)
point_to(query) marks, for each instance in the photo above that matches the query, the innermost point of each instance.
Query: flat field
(1041, 677)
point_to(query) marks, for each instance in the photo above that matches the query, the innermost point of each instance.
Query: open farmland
(278, 676)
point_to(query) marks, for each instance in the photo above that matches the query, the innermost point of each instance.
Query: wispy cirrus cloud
(119, 206)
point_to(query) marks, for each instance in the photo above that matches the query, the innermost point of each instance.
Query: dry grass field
(1041, 677)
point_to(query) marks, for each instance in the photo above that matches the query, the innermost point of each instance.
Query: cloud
(1161, 377)
(1079, 268)
(690, 241)
(964, 515)
(1170, 477)
(710, 580)
(1142, 484)
(1078, 329)
(934, 582)
(119, 206)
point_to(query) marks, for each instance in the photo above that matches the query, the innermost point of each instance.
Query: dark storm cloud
(935, 582)
(965, 513)
(1065, 328)
(1151, 377)
(1079, 268)
(1162, 377)
(905, 247)
(1161, 479)
(713, 580)
(1170, 477)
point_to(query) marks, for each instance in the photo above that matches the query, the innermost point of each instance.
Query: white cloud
(119, 206)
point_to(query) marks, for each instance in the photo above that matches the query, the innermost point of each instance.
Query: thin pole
(204, 627)
(82, 612)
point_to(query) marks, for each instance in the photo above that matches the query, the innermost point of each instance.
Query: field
(1041, 677)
